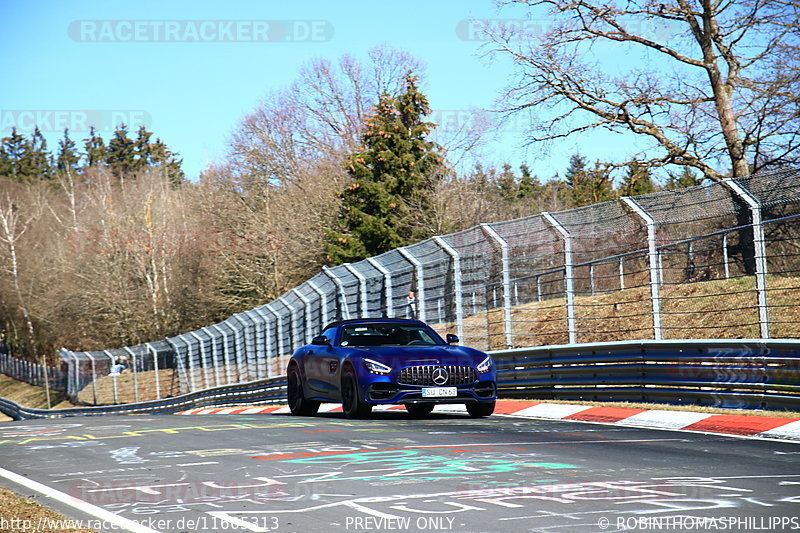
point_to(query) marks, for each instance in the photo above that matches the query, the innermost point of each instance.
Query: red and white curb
(747, 425)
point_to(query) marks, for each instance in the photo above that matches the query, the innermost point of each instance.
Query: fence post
(225, 355)
(113, 376)
(621, 274)
(760, 254)
(94, 381)
(458, 289)
(725, 255)
(307, 307)
(135, 374)
(421, 315)
(179, 361)
(387, 285)
(323, 303)
(279, 319)
(189, 362)
(202, 357)
(214, 354)
(506, 259)
(654, 256)
(362, 289)
(241, 358)
(340, 290)
(155, 369)
(259, 341)
(569, 283)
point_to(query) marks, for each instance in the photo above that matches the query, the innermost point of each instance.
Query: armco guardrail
(741, 373)
(264, 391)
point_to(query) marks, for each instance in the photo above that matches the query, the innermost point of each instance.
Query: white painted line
(450, 408)
(787, 431)
(664, 419)
(327, 407)
(552, 410)
(85, 507)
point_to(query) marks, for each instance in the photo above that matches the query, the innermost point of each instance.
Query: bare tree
(713, 85)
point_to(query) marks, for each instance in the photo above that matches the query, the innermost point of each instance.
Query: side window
(331, 334)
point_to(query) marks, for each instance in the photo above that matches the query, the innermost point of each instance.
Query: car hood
(420, 355)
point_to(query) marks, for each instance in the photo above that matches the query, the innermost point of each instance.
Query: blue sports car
(364, 362)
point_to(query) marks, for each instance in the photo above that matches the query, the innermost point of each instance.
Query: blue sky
(193, 94)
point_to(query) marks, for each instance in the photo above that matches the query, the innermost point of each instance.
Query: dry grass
(16, 508)
(30, 395)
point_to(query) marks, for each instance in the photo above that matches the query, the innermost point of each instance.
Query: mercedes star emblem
(440, 376)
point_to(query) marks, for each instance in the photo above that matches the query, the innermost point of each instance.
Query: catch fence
(706, 262)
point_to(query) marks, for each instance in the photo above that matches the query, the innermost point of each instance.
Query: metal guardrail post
(653, 255)
(113, 376)
(506, 259)
(155, 369)
(225, 353)
(94, 380)
(135, 374)
(259, 341)
(293, 324)
(201, 352)
(760, 254)
(362, 289)
(188, 380)
(420, 281)
(458, 290)
(340, 290)
(279, 318)
(189, 361)
(241, 354)
(214, 354)
(387, 285)
(307, 307)
(323, 302)
(569, 276)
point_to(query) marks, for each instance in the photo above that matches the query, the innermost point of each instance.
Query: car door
(321, 363)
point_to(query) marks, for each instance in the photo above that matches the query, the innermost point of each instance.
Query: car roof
(375, 321)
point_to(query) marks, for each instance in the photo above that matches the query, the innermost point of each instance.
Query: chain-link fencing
(706, 262)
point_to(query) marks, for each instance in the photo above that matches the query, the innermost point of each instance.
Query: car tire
(299, 405)
(480, 409)
(352, 404)
(419, 409)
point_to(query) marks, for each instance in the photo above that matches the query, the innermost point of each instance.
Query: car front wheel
(352, 404)
(480, 409)
(298, 404)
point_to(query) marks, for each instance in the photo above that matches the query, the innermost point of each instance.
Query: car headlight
(485, 365)
(375, 367)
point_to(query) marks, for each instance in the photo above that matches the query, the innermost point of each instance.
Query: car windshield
(389, 335)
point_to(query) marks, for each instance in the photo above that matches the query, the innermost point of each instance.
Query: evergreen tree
(159, 155)
(39, 161)
(685, 179)
(95, 148)
(507, 183)
(588, 187)
(637, 180)
(68, 158)
(388, 202)
(121, 156)
(529, 186)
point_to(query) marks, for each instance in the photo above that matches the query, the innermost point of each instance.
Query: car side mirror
(321, 340)
(452, 339)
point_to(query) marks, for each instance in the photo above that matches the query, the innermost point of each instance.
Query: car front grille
(423, 375)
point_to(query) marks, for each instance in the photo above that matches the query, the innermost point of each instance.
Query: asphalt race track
(394, 473)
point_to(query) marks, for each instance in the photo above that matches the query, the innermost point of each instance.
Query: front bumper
(393, 393)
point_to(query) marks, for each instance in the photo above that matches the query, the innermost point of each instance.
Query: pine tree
(637, 180)
(159, 155)
(95, 148)
(507, 183)
(68, 158)
(388, 202)
(121, 152)
(39, 162)
(685, 179)
(529, 186)
(588, 187)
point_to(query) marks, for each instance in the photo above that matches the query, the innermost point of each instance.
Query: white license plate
(439, 392)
